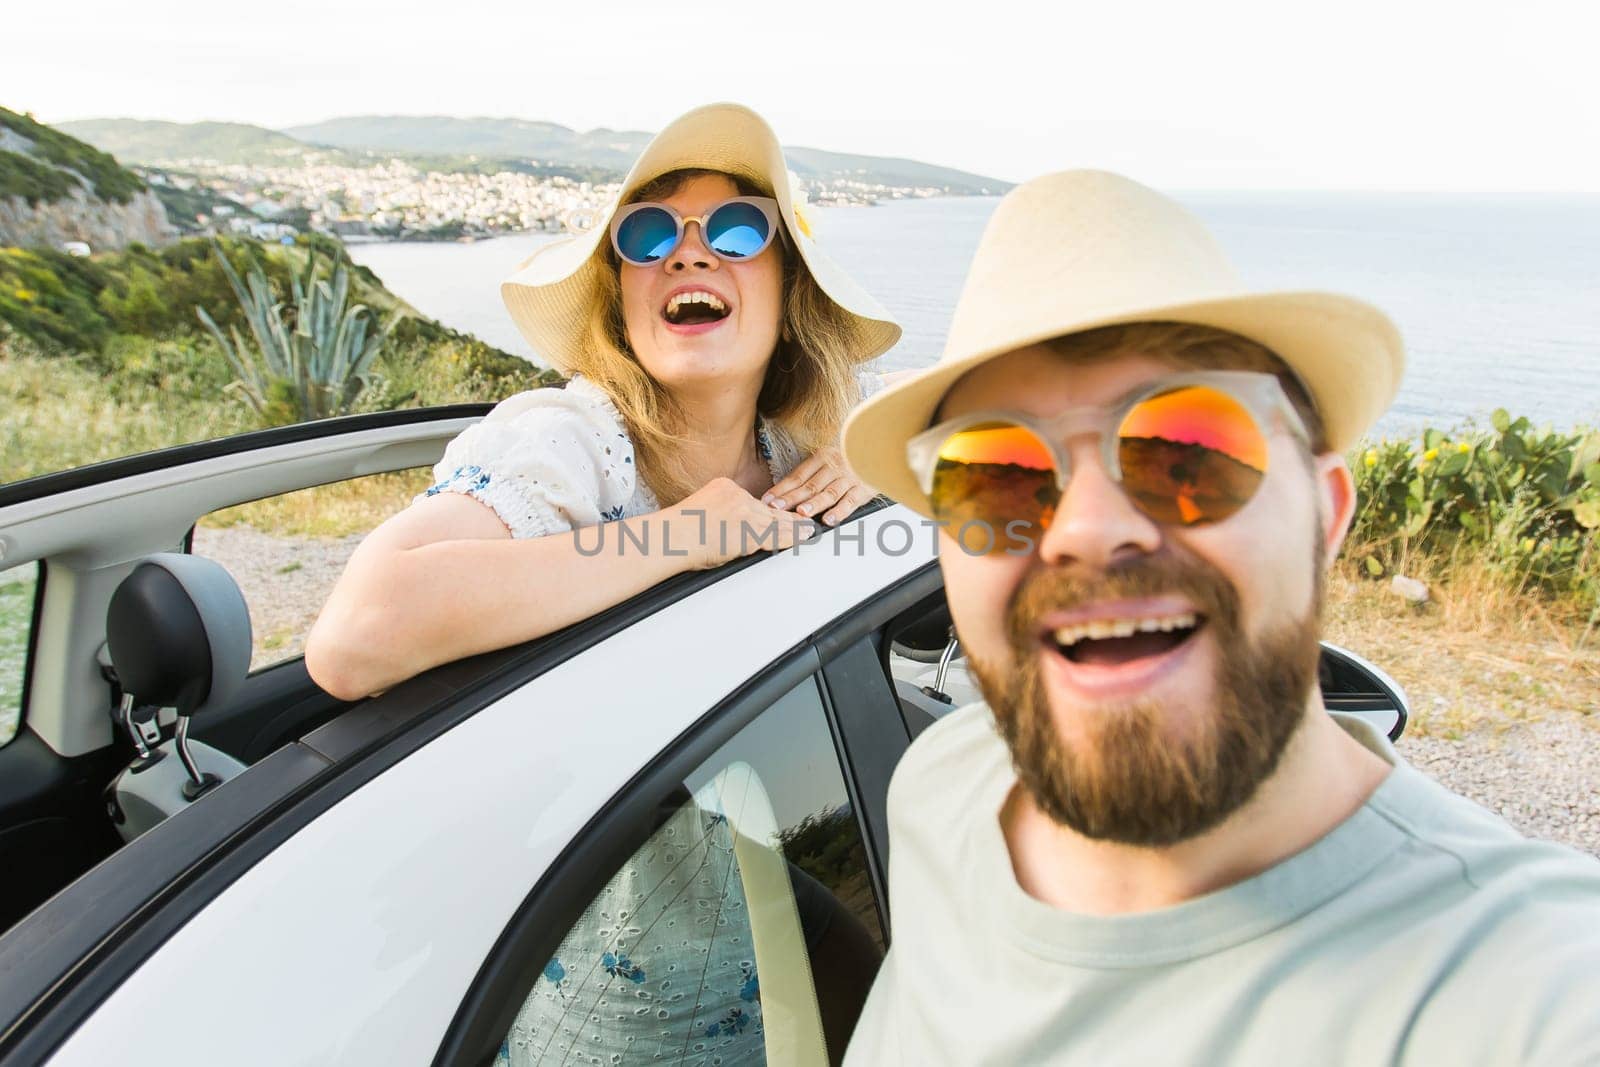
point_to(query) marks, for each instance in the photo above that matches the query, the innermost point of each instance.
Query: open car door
(68, 540)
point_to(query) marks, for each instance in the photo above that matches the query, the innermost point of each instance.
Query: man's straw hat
(1082, 249)
(552, 292)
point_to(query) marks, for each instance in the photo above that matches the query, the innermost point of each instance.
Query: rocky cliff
(55, 189)
(102, 225)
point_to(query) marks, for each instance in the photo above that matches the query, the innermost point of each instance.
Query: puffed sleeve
(545, 461)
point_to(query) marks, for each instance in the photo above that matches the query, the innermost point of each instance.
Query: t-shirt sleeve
(544, 461)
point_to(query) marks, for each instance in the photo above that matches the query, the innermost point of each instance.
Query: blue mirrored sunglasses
(735, 229)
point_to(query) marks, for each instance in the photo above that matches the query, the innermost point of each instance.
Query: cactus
(310, 363)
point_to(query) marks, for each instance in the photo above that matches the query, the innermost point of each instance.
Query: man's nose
(692, 251)
(1095, 523)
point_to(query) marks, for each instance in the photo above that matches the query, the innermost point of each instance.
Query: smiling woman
(712, 348)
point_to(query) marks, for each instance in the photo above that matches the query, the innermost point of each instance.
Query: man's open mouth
(1113, 642)
(694, 307)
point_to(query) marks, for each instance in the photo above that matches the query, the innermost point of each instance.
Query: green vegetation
(16, 619)
(1516, 505)
(141, 141)
(310, 363)
(20, 175)
(141, 394)
(104, 357)
(33, 181)
(183, 205)
(824, 844)
(71, 304)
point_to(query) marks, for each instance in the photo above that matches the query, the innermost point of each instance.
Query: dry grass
(1478, 656)
(336, 510)
(57, 414)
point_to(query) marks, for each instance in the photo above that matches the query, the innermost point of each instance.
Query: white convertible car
(205, 864)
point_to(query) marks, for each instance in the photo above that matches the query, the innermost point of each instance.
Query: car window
(18, 586)
(926, 665)
(744, 929)
(287, 551)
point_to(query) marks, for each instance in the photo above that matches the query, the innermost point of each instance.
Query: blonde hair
(810, 383)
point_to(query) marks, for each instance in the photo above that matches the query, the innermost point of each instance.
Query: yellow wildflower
(1463, 447)
(1372, 457)
(26, 295)
(1431, 454)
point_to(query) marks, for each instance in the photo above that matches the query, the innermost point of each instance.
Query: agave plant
(309, 364)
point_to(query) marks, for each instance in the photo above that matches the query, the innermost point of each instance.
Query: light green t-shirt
(1422, 930)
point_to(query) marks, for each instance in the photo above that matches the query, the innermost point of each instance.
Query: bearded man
(1152, 843)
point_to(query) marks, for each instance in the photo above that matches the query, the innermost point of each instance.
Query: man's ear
(1336, 500)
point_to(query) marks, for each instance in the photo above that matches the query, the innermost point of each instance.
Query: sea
(1498, 297)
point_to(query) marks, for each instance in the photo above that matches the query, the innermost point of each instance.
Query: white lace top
(551, 460)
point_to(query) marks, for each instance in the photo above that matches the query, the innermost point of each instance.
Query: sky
(1277, 94)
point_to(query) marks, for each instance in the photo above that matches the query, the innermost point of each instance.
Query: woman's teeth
(700, 305)
(1100, 629)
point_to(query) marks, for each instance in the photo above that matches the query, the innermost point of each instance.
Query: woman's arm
(444, 579)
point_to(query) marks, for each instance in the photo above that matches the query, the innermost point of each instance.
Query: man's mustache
(1070, 586)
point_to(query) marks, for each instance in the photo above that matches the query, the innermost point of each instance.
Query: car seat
(178, 635)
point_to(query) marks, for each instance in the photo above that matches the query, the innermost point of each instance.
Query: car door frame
(868, 736)
(73, 952)
(65, 751)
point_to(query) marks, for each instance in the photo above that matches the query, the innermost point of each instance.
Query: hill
(56, 189)
(833, 166)
(437, 142)
(149, 142)
(614, 149)
(44, 165)
(507, 138)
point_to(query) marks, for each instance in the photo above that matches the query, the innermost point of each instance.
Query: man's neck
(1324, 777)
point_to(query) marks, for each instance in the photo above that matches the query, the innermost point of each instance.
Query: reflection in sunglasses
(1188, 456)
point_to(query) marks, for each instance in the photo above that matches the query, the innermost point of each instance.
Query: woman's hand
(821, 484)
(722, 521)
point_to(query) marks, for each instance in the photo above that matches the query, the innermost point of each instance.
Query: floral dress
(659, 969)
(551, 460)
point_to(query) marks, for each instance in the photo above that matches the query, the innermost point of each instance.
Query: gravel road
(1541, 775)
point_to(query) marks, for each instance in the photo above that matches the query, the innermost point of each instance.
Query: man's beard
(1134, 775)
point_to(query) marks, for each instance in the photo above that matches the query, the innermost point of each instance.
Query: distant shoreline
(422, 237)
(476, 239)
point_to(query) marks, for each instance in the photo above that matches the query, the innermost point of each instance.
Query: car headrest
(178, 632)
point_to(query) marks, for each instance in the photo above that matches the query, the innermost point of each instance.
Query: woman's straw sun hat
(552, 292)
(1082, 249)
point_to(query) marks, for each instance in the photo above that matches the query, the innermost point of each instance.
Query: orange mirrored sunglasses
(1187, 449)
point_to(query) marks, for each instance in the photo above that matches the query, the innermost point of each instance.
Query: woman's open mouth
(692, 308)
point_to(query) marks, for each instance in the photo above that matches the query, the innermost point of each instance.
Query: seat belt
(791, 1019)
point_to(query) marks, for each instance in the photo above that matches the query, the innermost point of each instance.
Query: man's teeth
(1098, 629)
(710, 299)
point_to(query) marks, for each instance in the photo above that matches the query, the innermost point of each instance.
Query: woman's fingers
(810, 476)
(826, 496)
(788, 491)
(847, 506)
(757, 527)
(792, 530)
